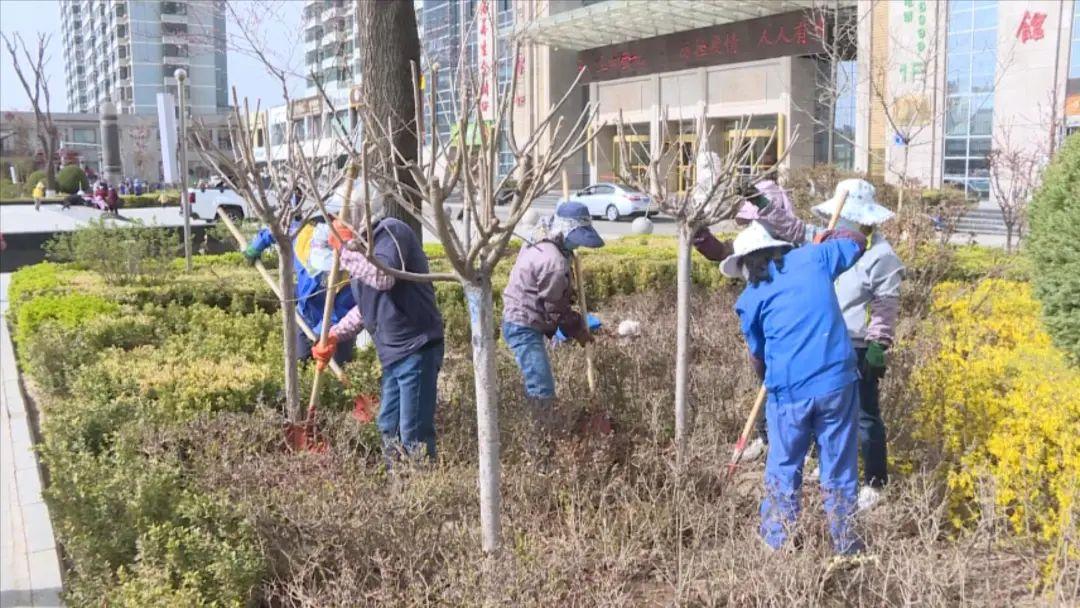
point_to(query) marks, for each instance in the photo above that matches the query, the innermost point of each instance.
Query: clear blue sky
(278, 23)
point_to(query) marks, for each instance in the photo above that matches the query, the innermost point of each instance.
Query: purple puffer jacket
(539, 294)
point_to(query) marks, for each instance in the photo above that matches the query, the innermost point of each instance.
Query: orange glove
(342, 230)
(324, 351)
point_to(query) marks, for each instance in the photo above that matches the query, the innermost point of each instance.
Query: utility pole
(181, 78)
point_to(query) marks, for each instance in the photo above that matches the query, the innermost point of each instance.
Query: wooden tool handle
(579, 279)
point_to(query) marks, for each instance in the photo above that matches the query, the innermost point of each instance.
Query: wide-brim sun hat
(753, 238)
(861, 206)
(584, 235)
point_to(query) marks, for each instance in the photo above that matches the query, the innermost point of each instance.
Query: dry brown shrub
(611, 524)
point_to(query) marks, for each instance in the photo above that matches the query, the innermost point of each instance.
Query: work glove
(875, 359)
(340, 229)
(323, 351)
(251, 255)
(757, 199)
(584, 337)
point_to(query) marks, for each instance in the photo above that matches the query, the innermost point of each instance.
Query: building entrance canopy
(619, 21)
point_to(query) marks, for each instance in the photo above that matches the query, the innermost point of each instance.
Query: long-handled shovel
(763, 393)
(590, 366)
(304, 327)
(331, 295)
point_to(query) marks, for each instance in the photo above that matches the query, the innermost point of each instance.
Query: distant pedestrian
(112, 199)
(39, 193)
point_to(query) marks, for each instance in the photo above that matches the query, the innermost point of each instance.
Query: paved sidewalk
(21, 219)
(29, 562)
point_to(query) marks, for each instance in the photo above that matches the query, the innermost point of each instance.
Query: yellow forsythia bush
(1004, 405)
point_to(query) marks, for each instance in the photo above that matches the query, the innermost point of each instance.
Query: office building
(918, 90)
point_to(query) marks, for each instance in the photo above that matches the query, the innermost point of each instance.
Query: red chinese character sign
(1031, 27)
(794, 33)
(485, 57)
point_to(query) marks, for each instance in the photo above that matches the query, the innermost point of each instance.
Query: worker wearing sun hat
(537, 302)
(798, 344)
(312, 257)
(869, 296)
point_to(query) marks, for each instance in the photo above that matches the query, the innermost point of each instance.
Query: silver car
(614, 201)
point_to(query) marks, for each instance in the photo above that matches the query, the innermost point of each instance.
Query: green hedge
(1054, 246)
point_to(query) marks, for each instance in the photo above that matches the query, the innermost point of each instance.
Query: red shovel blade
(365, 408)
(303, 438)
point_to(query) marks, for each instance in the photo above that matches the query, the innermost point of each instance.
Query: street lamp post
(181, 77)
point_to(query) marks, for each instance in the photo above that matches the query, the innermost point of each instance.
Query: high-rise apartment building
(331, 55)
(128, 51)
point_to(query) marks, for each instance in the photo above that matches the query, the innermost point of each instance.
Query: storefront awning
(618, 21)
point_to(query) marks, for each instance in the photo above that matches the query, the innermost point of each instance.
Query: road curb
(31, 561)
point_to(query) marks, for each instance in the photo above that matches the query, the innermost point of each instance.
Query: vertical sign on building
(166, 109)
(485, 56)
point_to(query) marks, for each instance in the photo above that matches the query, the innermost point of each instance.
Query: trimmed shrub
(1054, 246)
(1000, 400)
(68, 310)
(71, 179)
(33, 179)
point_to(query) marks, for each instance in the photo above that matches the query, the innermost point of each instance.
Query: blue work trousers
(871, 426)
(531, 355)
(407, 408)
(833, 421)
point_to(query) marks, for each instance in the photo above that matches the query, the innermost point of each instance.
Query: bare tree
(389, 45)
(36, 87)
(268, 186)
(1014, 175)
(715, 196)
(470, 163)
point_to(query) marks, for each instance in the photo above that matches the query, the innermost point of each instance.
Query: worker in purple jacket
(538, 301)
(404, 323)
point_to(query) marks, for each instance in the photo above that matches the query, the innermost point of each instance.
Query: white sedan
(614, 201)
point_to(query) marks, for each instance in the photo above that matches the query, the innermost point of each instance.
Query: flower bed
(169, 485)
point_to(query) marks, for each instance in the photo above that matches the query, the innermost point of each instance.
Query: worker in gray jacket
(869, 297)
(538, 301)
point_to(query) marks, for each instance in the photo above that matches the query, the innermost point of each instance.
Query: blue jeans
(407, 411)
(529, 350)
(831, 420)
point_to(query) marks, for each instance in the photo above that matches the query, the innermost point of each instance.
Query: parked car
(614, 201)
(211, 199)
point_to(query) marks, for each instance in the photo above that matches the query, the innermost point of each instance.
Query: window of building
(971, 66)
(84, 135)
(277, 134)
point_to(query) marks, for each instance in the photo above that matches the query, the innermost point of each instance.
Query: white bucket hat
(753, 238)
(861, 207)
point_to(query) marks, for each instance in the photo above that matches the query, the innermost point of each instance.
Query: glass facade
(840, 95)
(971, 67)
(446, 25)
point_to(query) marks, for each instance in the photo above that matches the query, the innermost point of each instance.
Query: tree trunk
(1008, 237)
(50, 165)
(682, 348)
(287, 284)
(482, 323)
(389, 41)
